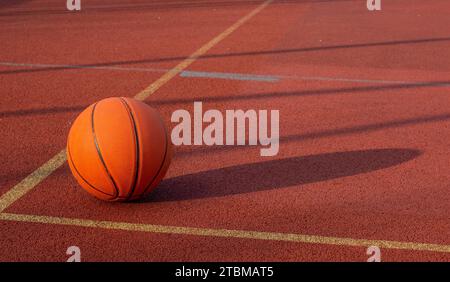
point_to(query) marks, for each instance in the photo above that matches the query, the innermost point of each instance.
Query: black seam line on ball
(164, 159)
(100, 153)
(80, 175)
(136, 142)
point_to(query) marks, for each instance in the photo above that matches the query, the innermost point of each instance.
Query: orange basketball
(118, 149)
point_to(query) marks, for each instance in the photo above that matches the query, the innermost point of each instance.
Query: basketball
(118, 149)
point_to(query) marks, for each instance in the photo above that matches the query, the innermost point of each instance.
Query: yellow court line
(32, 180)
(59, 159)
(226, 233)
(201, 51)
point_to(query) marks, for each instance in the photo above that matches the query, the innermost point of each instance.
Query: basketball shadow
(274, 174)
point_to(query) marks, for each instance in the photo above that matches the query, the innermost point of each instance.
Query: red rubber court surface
(364, 124)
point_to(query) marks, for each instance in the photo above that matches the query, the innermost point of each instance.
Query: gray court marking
(226, 75)
(229, 75)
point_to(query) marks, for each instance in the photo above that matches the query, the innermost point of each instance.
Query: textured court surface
(364, 123)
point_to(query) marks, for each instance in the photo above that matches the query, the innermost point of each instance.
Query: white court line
(58, 66)
(229, 75)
